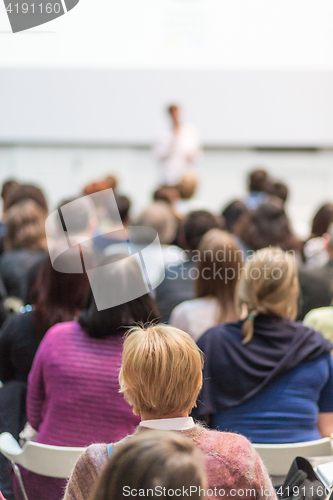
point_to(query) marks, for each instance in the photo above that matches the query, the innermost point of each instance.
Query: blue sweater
(287, 410)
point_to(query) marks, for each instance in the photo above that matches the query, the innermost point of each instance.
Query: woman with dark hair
(24, 245)
(321, 220)
(73, 391)
(56, 297)
(269, 225)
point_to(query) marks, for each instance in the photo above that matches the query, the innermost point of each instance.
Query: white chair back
(46, 460)
(279, 457)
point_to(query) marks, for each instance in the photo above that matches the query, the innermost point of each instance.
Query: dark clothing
(18, 346)
(14, 269)
(178, 285)
(315, 289)
(235, 372)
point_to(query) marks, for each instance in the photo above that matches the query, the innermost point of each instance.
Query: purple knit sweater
(73, 398)
(73, 390)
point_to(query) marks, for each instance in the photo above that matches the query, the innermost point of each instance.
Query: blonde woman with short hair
(161, 377)
(267, 376)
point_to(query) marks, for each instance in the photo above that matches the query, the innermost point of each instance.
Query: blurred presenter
(177, 149)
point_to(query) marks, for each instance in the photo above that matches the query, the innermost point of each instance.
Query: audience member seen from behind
(110, 231)
(24, 243)
(26, 192)
(269, 225)
(258, 186)
(73, 392)
(219, 262)
(187, 201)
(178, 284)
(268, 377)
(158, 462)
(156, 218)
(232, 214)
(56, 297)
(161, 377)
(315, 248)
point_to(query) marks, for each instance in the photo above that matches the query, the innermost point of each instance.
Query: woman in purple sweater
(73, 391)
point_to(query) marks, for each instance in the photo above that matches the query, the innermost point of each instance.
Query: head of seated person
(195, 226)
(26, 192)
(153, 385)
(107, 314)
(25, 222)
(269, 225)
(322, 220)
(156, 460)
(159, 216)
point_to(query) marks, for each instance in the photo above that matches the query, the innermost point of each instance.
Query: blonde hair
(268, 285)
(219, 266)
(161, 371)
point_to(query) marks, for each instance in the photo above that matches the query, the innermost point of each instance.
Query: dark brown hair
(27, 192)
(25, 223)
(219, 266)
(322, 220)
(266, 226)
(57, 297)
(113, 321)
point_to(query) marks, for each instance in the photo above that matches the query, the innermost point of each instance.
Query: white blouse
(195, 316)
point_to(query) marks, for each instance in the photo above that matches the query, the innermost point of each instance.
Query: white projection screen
(246, 72)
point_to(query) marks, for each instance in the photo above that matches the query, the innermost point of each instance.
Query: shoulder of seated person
(223, 441)
(95, 452)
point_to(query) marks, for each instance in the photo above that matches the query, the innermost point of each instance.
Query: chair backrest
(279, 457)
(46, 460)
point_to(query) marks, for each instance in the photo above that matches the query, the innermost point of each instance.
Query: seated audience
(158, 218)
(56, 297)
(315, 248)
(107, 232)
(268, 377)
(168, 194)
(73, 397)
(258, 186)
(269, 225)
(187, 202)
(232, 214)
(24, 244)
(219, 262)
(161, 376)
(279, 190)
(8, 188)
(158, 461)
(178, 284)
